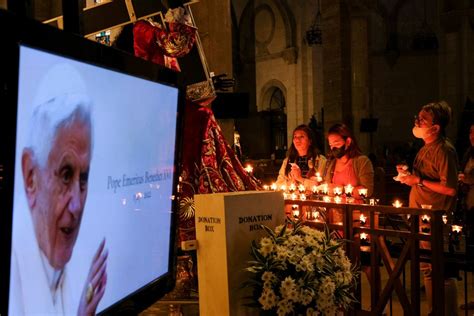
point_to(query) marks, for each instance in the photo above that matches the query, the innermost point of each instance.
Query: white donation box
(226, 224)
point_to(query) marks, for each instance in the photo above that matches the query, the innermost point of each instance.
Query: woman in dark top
(303, 162)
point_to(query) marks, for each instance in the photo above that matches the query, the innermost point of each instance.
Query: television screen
(92, 196)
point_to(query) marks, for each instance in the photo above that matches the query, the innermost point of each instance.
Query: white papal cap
(60, 97)
(61, 79)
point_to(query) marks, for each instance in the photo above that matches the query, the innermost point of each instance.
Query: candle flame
(397, 204)
(301, 188)
(348, 189)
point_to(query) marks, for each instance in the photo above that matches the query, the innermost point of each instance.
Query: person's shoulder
(361, 159)
(321, 157)
(447, 146)
(284, 162)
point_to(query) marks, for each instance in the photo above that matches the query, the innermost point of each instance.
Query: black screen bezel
(16, 31)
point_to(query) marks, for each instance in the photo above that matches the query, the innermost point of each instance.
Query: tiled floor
(396, 308)
(191, 308)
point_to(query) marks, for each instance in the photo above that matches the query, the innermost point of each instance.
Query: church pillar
(455, 60)
(360, 79)
(337, 62)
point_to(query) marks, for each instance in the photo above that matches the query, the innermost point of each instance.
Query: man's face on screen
(61, 193)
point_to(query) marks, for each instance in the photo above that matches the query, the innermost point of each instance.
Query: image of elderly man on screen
(55, 166)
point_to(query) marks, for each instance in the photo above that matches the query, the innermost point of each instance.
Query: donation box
(226, 224)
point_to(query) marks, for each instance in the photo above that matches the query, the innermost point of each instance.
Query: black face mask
(338, 152)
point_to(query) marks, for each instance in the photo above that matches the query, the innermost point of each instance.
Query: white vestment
(30, 291)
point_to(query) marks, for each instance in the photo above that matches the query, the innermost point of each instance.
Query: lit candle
(372, 202)
(249, 169)
(293, 196)
(397, 204)
(337, 199)
(445, 218)
(292, 187)
(456, 229)
(324, 188)
(327, 199)
(315, 215)
(273, 186)
(348, 189)
(337, 191)
(314, 189)
(265, 187)
(283, 187)
(364, 236)
(285, 195)
(301, 188)
(363, 219)
(318, 177)
(426, 206)
(295, 211)
(425, 218)
(362, 192)
(303, 197)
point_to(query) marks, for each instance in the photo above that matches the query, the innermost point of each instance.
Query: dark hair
(342, 130)
(441, 112)
(313, 151)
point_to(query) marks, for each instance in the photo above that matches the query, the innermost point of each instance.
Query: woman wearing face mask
(434, 182)
(303, 160)
(346, 163)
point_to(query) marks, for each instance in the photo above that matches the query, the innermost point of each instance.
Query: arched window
(277, 112)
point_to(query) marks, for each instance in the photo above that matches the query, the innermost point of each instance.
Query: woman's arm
(365, 173)
(282, 178)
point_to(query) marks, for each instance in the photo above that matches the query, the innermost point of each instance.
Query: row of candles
(291, 192)
(323, 190)
(314, 215)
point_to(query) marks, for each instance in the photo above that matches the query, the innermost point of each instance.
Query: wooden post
(415, 266)
(437, 263)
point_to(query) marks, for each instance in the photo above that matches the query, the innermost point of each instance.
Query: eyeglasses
(421, 121)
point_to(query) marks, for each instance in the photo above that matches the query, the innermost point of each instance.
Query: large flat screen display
(93, 185)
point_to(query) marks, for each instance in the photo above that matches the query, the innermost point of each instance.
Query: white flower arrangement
(299, 270)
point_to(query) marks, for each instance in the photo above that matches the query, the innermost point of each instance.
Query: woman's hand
(94, 288)
(295, 172)
(410, 180)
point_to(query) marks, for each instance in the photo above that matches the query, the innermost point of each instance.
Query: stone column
(360, 79)
(337, 62)
(456, 62)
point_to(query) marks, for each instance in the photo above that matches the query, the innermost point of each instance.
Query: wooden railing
(410, 236)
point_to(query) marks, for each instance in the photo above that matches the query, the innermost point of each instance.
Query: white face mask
(421, 132)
